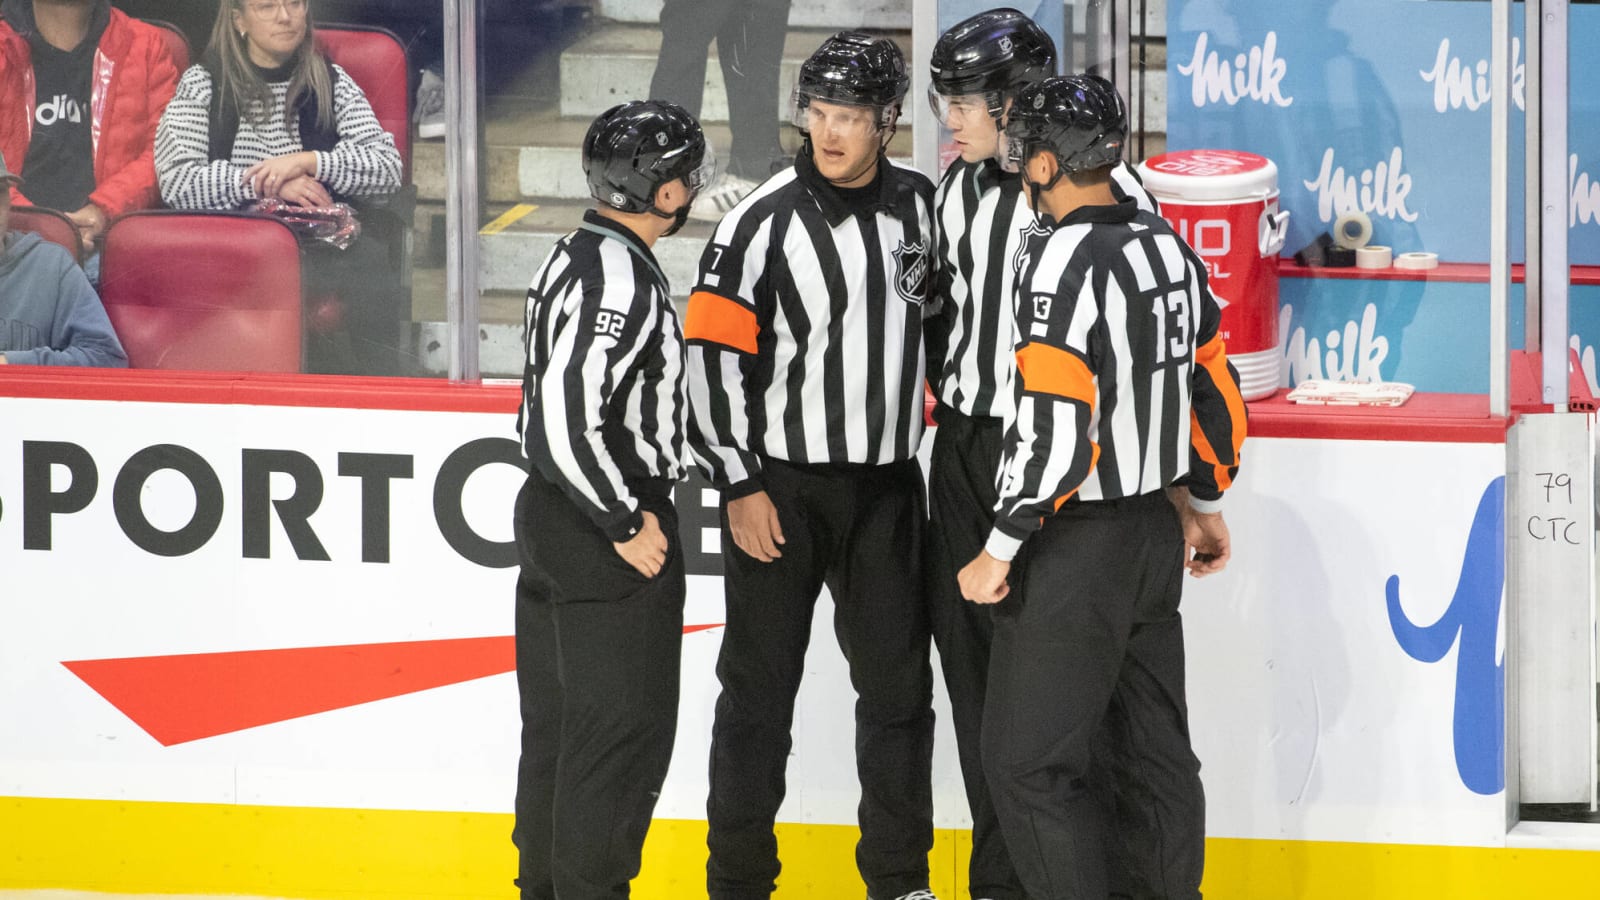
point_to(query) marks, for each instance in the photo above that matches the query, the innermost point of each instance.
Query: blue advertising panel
(1380, 106)
(1430, 334)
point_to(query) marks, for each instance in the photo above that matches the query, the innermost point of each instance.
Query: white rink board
(1311, 721)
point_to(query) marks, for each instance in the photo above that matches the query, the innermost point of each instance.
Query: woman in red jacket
(93, 84)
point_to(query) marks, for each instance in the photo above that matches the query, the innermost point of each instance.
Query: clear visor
(961, 110)
(819, 117)
(698, 178)
(703, 174)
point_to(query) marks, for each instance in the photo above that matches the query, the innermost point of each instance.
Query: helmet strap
(811, 151)
(874, 160)
(679, 218)
(1035, 189)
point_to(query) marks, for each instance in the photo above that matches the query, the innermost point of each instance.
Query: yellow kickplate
(296, 852)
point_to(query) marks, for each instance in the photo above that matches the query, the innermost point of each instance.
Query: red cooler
(1225, 204)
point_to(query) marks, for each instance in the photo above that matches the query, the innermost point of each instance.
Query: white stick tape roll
(1374, 256)
(1352, 229)
(1417, 261)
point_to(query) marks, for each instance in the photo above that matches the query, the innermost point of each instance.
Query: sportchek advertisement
(309, 607)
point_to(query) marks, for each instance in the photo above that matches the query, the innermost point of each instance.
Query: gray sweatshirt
(49, 314)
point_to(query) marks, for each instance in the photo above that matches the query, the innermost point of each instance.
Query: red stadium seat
(177, 43)
(376, 59)
(49, 224)
(215, 291)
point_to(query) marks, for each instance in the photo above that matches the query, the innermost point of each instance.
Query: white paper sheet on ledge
(1351, 393)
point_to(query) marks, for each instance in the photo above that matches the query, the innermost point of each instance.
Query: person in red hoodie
(92, 83)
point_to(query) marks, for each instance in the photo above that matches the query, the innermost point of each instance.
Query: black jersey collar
(1117, 213)
(988, 174)
(611, 228)
(834, 208)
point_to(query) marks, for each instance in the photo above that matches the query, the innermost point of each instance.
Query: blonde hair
(235, 74)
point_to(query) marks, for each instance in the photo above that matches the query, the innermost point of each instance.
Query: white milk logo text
(1354, 353)
(1381, 190)
(1457, 84)
(61, 109)
(1585, 203)
(1254, 75)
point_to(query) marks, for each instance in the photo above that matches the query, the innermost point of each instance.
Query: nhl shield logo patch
(1033, 235)
(911, 267)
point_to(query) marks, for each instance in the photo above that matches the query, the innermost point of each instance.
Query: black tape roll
(1340, 258)
(1315, 253)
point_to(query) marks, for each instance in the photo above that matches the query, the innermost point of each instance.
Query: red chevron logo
(186, 697)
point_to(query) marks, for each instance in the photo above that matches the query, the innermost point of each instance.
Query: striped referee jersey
(983, 220)
(602, 388)
(805, 329)
(1124, 387)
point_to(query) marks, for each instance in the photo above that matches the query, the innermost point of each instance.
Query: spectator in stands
(267, 115)
(749, 39)
(90, 84)
(49, 313)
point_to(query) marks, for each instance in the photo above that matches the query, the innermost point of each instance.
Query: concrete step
(554, 170)
(616, 62)
(833, 15)
(1155, 16)
(532, 140)
(499, 348)
(508, 259)
(882, 15)
(535, 155)
(520, 174)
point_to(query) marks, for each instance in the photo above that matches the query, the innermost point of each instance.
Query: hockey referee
(806, 390)
(982, 221)
(977, 67)
(599, 619)
(1123, 393)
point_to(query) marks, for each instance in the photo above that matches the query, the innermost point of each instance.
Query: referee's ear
(1041, 166)
(671, 194)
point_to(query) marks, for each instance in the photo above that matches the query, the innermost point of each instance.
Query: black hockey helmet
(855, 69)
(993, 53)
(633, 148)
(1079, 118)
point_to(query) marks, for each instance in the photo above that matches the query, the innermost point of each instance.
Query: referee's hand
(753, 521)
(647, 550)
(984, 579)
(1207, 537)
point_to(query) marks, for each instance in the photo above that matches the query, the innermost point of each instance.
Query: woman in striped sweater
(266, 115)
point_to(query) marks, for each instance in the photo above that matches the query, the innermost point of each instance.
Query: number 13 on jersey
(1173, 318)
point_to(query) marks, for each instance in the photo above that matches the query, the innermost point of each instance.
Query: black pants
(749, 36)
(859, 531)
(365, 284)
(598, 651)
(1085, 733)
(961, 498)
